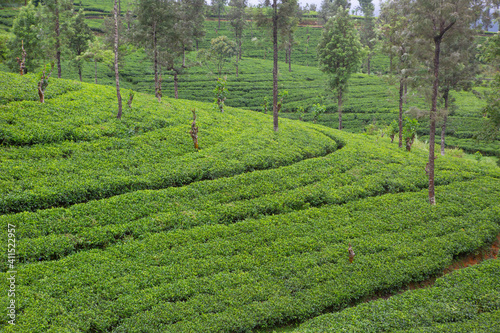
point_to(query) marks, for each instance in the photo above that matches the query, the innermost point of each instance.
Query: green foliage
(393, 129)
(221, 51)
(25, 30)
(146, 233)
(220, 93)
(467, 300)
(317, 110)
(409, 131)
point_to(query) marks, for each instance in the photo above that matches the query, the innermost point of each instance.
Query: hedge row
(260, 271)
(464, 301)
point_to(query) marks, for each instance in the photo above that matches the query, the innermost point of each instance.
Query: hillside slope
(121, 226)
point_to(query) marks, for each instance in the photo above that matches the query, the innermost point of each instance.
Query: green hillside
(122, 226)
(465, 301)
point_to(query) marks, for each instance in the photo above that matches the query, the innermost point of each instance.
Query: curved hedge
(467, 300)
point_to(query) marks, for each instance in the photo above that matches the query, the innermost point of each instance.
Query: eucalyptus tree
(396, 40)
(280, 13)
(432, 21)
(340, 53)
(25, 35)
(97, 52)
(458, 71)
(78, 40)
(368, 35)
(238, 20)
(54, 14)
(330, 7)
(219, 6)
(155, 21)
(115, 49)
(288, 21)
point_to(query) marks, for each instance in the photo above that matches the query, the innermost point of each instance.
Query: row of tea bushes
(358, 170)
(150, 149)
(259, 271)
(464, 301)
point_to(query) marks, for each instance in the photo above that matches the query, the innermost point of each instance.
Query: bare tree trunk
(117, 77)
(400, 119)
(58, 41)
(275, 66)
(22, 61)
(194, 130)
(95, 75)
(445, 119)
(80, 72)
(155, 56)
(339, 103)
(175, 85)
(432, 134)
(183, 57)
(369, 65)
(290, 58)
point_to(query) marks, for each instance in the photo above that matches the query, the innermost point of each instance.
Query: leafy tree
(3, 47)
(54, 14)
(155, 20)
(79, 37)
(329, 8)
(238, 20)
(221, 51)
(97, 52)
(491, 54)
(117, 73)
(393, 129)
(25, 32)
(219, 6)
(287, 23)
(339, 53)
(43, 80)
(431, 20)
(410, 132)
(397, 42)
(458, 71)
(368, 36)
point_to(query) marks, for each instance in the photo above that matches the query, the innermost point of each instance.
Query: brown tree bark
(290, 58)
(58, 41)
(194, 130)
(400, 118)
(22, 61)
(175, 85)
(117, 77)
(95, 75)
(339, 104)
(432, 134)
(445, 119)
(275, 66)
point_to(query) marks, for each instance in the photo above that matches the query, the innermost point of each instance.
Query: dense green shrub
(464, 301)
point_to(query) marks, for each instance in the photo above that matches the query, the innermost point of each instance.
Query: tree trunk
(400, 118)
(369, 65)
(80, 72)
(117, 78)
(155, 61)
(95, 75)
(219, 17)
(183, 57)
(339, 103)
(290, 58)
(176, 90)
(240, 48)
(445, 119)
(432, 134)
(196, 45)
(275, 66)
(58, 41)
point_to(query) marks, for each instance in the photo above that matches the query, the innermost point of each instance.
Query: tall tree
(458, 71)
(432, 20)
(329, 8)
(55, 13)
(397, 42)
(287, 22)
(25, 33)
(222, 50)
(117, 74)
(97, 52)
(219, 6)
(368, 30)
(79, 37)
(339, 52)
(238, 20)
(155, 20)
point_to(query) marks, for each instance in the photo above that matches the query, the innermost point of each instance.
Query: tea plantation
(122, 226)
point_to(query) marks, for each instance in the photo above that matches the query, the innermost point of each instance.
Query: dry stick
(194, 130)
(22, 63)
